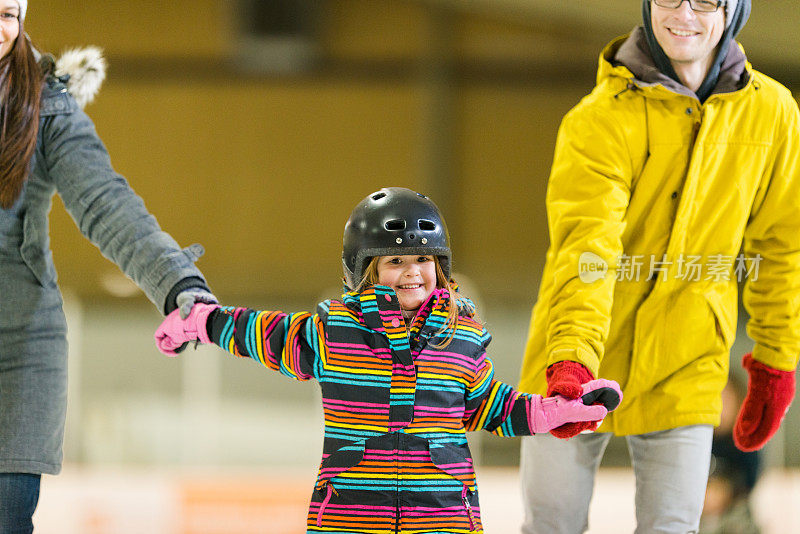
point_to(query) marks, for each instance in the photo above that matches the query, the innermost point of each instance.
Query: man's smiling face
(687, 36)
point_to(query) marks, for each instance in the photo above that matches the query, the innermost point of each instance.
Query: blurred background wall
(254, 126)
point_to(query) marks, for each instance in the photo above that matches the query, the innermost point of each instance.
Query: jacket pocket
(34, 252)
(725, 316)
(679, 340)
(456, 462)
(334, 465)
(340, 461)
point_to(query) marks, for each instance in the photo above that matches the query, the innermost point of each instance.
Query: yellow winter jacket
(693, 196)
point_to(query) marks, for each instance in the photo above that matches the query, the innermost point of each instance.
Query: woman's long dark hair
(20, 93)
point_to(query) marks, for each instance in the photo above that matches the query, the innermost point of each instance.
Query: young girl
(402, 364)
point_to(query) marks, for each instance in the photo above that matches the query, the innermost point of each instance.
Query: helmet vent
(395, 224)
(425, 224)
(378, 196)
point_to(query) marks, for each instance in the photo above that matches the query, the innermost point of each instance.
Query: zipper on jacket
(468, 507)
(397, 471)
(330, 490)
(695, 131)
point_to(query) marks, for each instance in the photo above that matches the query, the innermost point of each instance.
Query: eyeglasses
(701, 6)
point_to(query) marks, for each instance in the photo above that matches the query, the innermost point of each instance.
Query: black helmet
(393, 221)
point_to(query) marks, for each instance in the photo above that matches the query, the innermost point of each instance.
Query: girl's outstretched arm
(292, 344)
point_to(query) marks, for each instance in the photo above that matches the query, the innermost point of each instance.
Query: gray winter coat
(71, 160)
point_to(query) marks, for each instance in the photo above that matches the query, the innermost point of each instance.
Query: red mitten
(566, 378)
(769, 393)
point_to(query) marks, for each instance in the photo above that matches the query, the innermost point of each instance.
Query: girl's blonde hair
(370, 278)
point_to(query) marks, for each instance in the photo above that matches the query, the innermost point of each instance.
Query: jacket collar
(629, 56)
(378, 308)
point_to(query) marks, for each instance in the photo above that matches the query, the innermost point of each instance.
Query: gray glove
(187, 298)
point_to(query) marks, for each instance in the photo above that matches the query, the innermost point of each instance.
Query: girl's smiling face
(412, 277)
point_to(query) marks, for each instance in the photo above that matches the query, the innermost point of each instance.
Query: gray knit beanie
(730, 9)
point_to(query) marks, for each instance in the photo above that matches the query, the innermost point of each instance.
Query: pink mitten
(175, 331)
(552, 412)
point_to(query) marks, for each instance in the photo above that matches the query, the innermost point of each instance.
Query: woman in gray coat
(48, 145)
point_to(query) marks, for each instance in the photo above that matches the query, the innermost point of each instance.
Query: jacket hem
(583, 356)
(659, 426)
(774, 358)
(158, 291)
(191, 282)
(29, 467)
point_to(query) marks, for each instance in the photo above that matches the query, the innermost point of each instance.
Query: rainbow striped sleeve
(292, 344)
(495, 406)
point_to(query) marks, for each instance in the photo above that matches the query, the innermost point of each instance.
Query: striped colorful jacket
(395, 455)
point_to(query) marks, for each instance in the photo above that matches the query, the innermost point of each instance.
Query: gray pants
(671, 470)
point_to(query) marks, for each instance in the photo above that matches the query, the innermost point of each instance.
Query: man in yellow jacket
(677, 177)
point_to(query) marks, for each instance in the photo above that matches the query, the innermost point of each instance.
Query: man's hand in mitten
(769, 393)
(566, 378)
(599, 397)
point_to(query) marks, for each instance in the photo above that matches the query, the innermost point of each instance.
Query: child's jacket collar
(378, 309)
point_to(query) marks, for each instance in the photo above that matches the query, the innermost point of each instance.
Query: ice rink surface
(108, 501)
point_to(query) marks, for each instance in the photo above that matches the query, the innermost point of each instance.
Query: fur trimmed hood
(83, 70)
